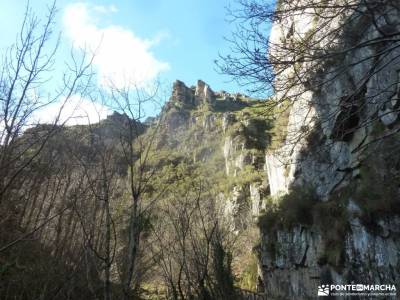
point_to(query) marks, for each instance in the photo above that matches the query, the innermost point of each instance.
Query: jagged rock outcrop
(183, 99)
(342, 116)
(190, 97)
(208, 126)
(203, 93)
(182, 94)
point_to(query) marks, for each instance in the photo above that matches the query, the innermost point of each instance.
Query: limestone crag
(234, 154)
(192, 97)
(342, 116)
(195, 113)
(295, 268)
(333, 111)
(183, 99)
(182, 94)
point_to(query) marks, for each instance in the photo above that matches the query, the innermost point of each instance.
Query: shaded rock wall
(341, 117)
(295, 268)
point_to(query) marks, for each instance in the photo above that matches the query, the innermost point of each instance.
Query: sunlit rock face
(211, 129)
(183, 99)
(277, 178)
(342, 115)
(339, 111)
(182, 94)
(235, 155)
(203, 93)
(194, 96)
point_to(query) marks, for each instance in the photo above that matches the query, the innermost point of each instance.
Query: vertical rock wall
(293, 260)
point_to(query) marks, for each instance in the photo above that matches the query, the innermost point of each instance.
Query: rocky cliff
(225, 132)
(334, 212)
(320, 175)
(219, 139)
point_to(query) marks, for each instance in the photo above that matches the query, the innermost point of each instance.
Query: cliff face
(225, 133)
(349, 158)
(220, 140)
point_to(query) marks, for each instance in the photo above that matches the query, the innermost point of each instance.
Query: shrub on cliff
(292, 209)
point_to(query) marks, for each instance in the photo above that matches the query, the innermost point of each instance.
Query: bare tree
(131, 103)
(38, 187)
(25, 69)
(113, 162)
(191, 246)
(99, 164)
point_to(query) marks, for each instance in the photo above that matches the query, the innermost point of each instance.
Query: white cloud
(75, 111)
(121, 57)
(105, 9)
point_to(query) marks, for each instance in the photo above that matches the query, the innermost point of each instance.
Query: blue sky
(140, 39)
